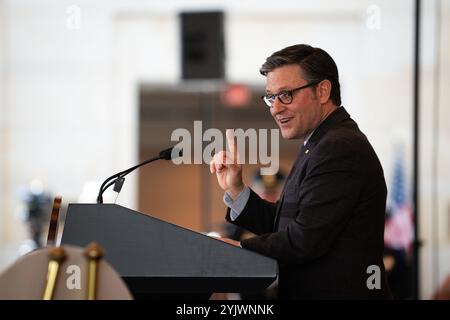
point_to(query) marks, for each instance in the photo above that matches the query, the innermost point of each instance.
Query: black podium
(159, 259)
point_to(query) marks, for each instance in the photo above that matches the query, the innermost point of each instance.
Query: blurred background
(91, 87)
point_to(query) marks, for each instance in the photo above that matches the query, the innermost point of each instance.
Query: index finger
(232, 144)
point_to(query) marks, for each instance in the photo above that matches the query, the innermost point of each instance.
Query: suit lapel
(302, 155)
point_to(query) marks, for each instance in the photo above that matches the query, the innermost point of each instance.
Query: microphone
(119, 178)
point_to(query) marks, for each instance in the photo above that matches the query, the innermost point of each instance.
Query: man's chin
(287, 135)
(290, 135)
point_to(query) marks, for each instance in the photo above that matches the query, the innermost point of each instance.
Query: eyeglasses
(285, 96)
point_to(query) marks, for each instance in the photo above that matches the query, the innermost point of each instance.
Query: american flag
(399, 229)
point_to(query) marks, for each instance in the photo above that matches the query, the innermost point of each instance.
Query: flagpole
(416, 126)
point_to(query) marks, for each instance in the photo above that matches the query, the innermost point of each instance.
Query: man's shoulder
(344, 145)
(345, 136)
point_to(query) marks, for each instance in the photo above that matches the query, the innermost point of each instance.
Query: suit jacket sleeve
(328, 196)
(258, 215)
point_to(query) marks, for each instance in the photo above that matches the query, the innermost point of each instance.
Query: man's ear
(324, 91)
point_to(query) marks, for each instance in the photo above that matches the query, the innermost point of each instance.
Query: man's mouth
(285, 120)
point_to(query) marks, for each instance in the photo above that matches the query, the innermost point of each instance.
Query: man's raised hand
(227, 168)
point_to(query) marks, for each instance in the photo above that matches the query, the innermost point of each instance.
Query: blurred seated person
(397, 262)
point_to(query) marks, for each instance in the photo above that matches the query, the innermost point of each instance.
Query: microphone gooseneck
(119, 178)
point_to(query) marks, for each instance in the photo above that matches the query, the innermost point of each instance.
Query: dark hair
(315, 63)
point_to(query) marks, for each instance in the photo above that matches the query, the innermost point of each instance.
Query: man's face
(298, 118)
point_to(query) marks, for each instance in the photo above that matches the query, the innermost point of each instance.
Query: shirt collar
(309, 136)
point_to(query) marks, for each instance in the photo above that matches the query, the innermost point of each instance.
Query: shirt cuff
(238, 205)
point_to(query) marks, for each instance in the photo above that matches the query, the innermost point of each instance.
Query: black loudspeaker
(202, 45)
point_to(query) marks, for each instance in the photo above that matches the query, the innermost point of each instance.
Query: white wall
(435, 134)
(3, 115)
(5, 195)
(69, 99)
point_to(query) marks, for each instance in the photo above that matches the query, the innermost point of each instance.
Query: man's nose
(278, 106)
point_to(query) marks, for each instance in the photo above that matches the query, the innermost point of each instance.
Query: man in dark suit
(326, 230)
